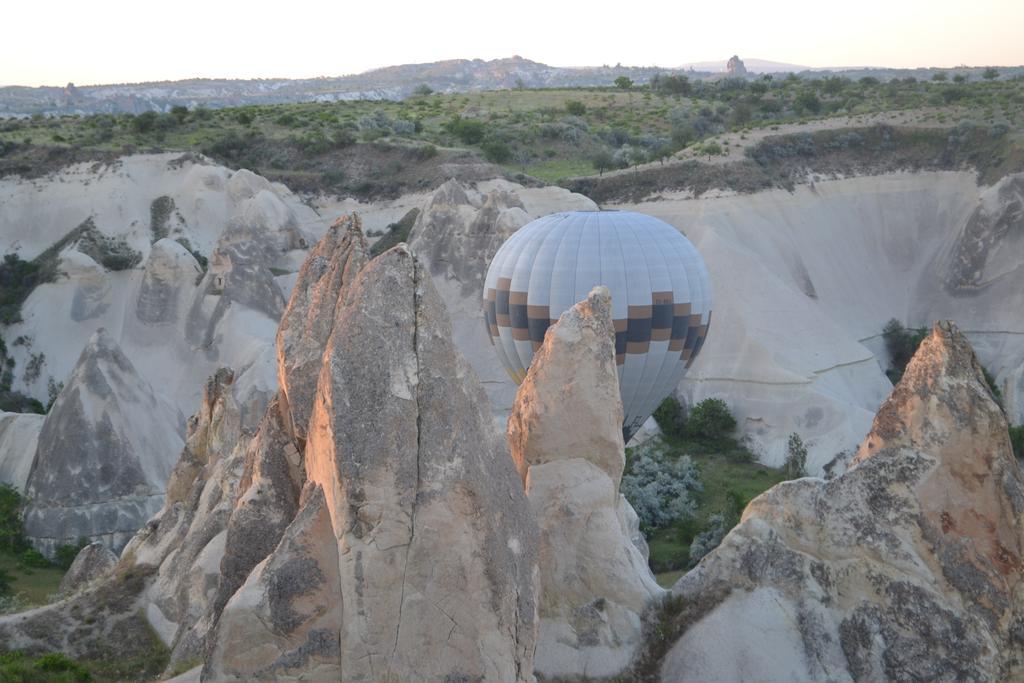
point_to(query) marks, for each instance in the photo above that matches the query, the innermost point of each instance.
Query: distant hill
(388, 83)
(761, 66)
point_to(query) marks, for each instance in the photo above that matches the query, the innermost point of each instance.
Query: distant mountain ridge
(393, 83)
(386, 83)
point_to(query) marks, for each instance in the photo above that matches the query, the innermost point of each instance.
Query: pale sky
(112, 41)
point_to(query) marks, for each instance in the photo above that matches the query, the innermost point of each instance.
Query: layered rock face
(102, 456)
(907, 567)
(806, 280)
(456, 234)
(389, 539)
(19, 434)
(307, 323)
(402, 442)
(565, 438)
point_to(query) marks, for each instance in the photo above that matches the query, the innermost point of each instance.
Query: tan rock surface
(566, 438)
(907, 567)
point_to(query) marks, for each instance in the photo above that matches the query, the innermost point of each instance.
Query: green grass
(555, 169)
(729, 484)
(33, 586)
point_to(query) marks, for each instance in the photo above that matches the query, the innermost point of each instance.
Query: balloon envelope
(661, 296)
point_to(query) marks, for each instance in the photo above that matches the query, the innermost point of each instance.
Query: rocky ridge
(906, 567)
(595, 585)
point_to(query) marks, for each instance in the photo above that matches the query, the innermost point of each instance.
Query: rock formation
(565, 438)
(735, 67)
(102, 456)
(309, 318)
(402, 442)
(806, 280)
(19, 434)
(907, 567)
(393, 541)
(456, 235)
(93, 562)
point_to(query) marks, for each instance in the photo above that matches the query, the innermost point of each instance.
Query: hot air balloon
(661, 297)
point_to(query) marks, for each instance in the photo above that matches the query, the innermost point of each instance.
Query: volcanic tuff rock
(184, 543)
(456, 235)
(437, 548)
(101, 461)
(806, 280)
(309, 318)
(93, 562)
(19, 434)
(285, 621)
(566, 440)
(170, 208)
(410, 550)
(907, 567)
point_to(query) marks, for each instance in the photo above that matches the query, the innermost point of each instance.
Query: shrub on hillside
(670, 418)
(1017, 440)
(901, 343)
(710, 421)
(658, 486)
(17, 280)
(12, 537)
(113, 253)
(469, 131)
(796, 457)
(710, 538)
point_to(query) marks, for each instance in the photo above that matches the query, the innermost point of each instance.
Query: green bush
(901, 344)
(113, 253)
(67, 553)
(670, 418)
(496, 151)
(33, 558)
(796, 457)
(469, 131)
(12, 536)
(575, 107)
(1017, 440)
(17, 280)
(993, 386)
(144, 122)
(710, 421)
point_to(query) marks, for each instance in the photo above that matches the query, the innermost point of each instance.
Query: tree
(710, 420)
(796, 457)
(711, 149)
(179, 113)
(624, 82)
(575, 107)
(144, 122)
(669, 416)
(960, 78)
(12, 539)
(422, 90)
(939, 77)
(674, 85)
(990, 74)
(467, 130)
(602, 161)
(807, 102)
